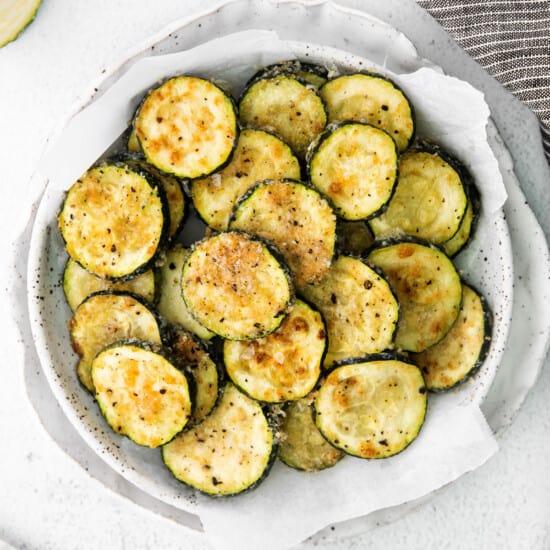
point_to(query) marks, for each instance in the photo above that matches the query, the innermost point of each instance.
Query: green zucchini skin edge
(326, 134)
(274, 253)
(292, 67)
(488, 322)
(397, 87)
(227, 95)
(154, 184)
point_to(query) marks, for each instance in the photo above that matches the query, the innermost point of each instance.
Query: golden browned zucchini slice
(374, 99)
(235, 287)
(355, 166)
(462, 352)
(114, 221)
(189, 351)
(141, 393)
(187, 126)
(297, 220)
(287, 106)
(373, 408)
(229, 452)
(312, 73)
(359, 308)
(258, 156)
(286, 364)
(428, 287)
(302, 446)
(171, 305)
(78, 284)
(429, 201)
(105, 318)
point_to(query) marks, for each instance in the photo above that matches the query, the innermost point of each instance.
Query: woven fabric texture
(511, 40)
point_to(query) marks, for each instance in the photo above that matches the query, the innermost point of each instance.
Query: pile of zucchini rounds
(321, 303)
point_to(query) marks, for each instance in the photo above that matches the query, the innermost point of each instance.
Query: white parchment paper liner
(289, 506)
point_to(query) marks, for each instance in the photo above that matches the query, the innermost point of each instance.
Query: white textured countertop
(47, 500)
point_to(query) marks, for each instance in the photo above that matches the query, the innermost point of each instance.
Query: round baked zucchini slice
(286, 364)
(78, 284)
(171, 305)
(187, 126)
(284, 213)
(359, 307)
(229, 452)
(234, 285)
(373, 408)
(191, 352)
(302, 445)
(114, 221)
(258, 156)
(373, 99)
(355, 166)
(428, 288)
(287, 106)
(15, 17)
(141, 393)
(461, 353)
(429, 201)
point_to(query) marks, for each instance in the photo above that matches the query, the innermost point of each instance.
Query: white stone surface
(47, 500)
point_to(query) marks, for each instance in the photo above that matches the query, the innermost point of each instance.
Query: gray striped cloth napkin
(511, 40)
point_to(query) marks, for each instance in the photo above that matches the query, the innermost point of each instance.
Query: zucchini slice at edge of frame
(461, 353)
(385, 423)
(302, 445)
(301, 114)
(428, 287)
(114, 221)
(171, 305)
(16, 16)
(286, 364)
(78, 284)
(104, 318)
(258, 156)
(283, 213)
(231, 451)
(235, 286)
(355, 165)
(141, 393)
(359, 306)
(372, 98)
(187, 126)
